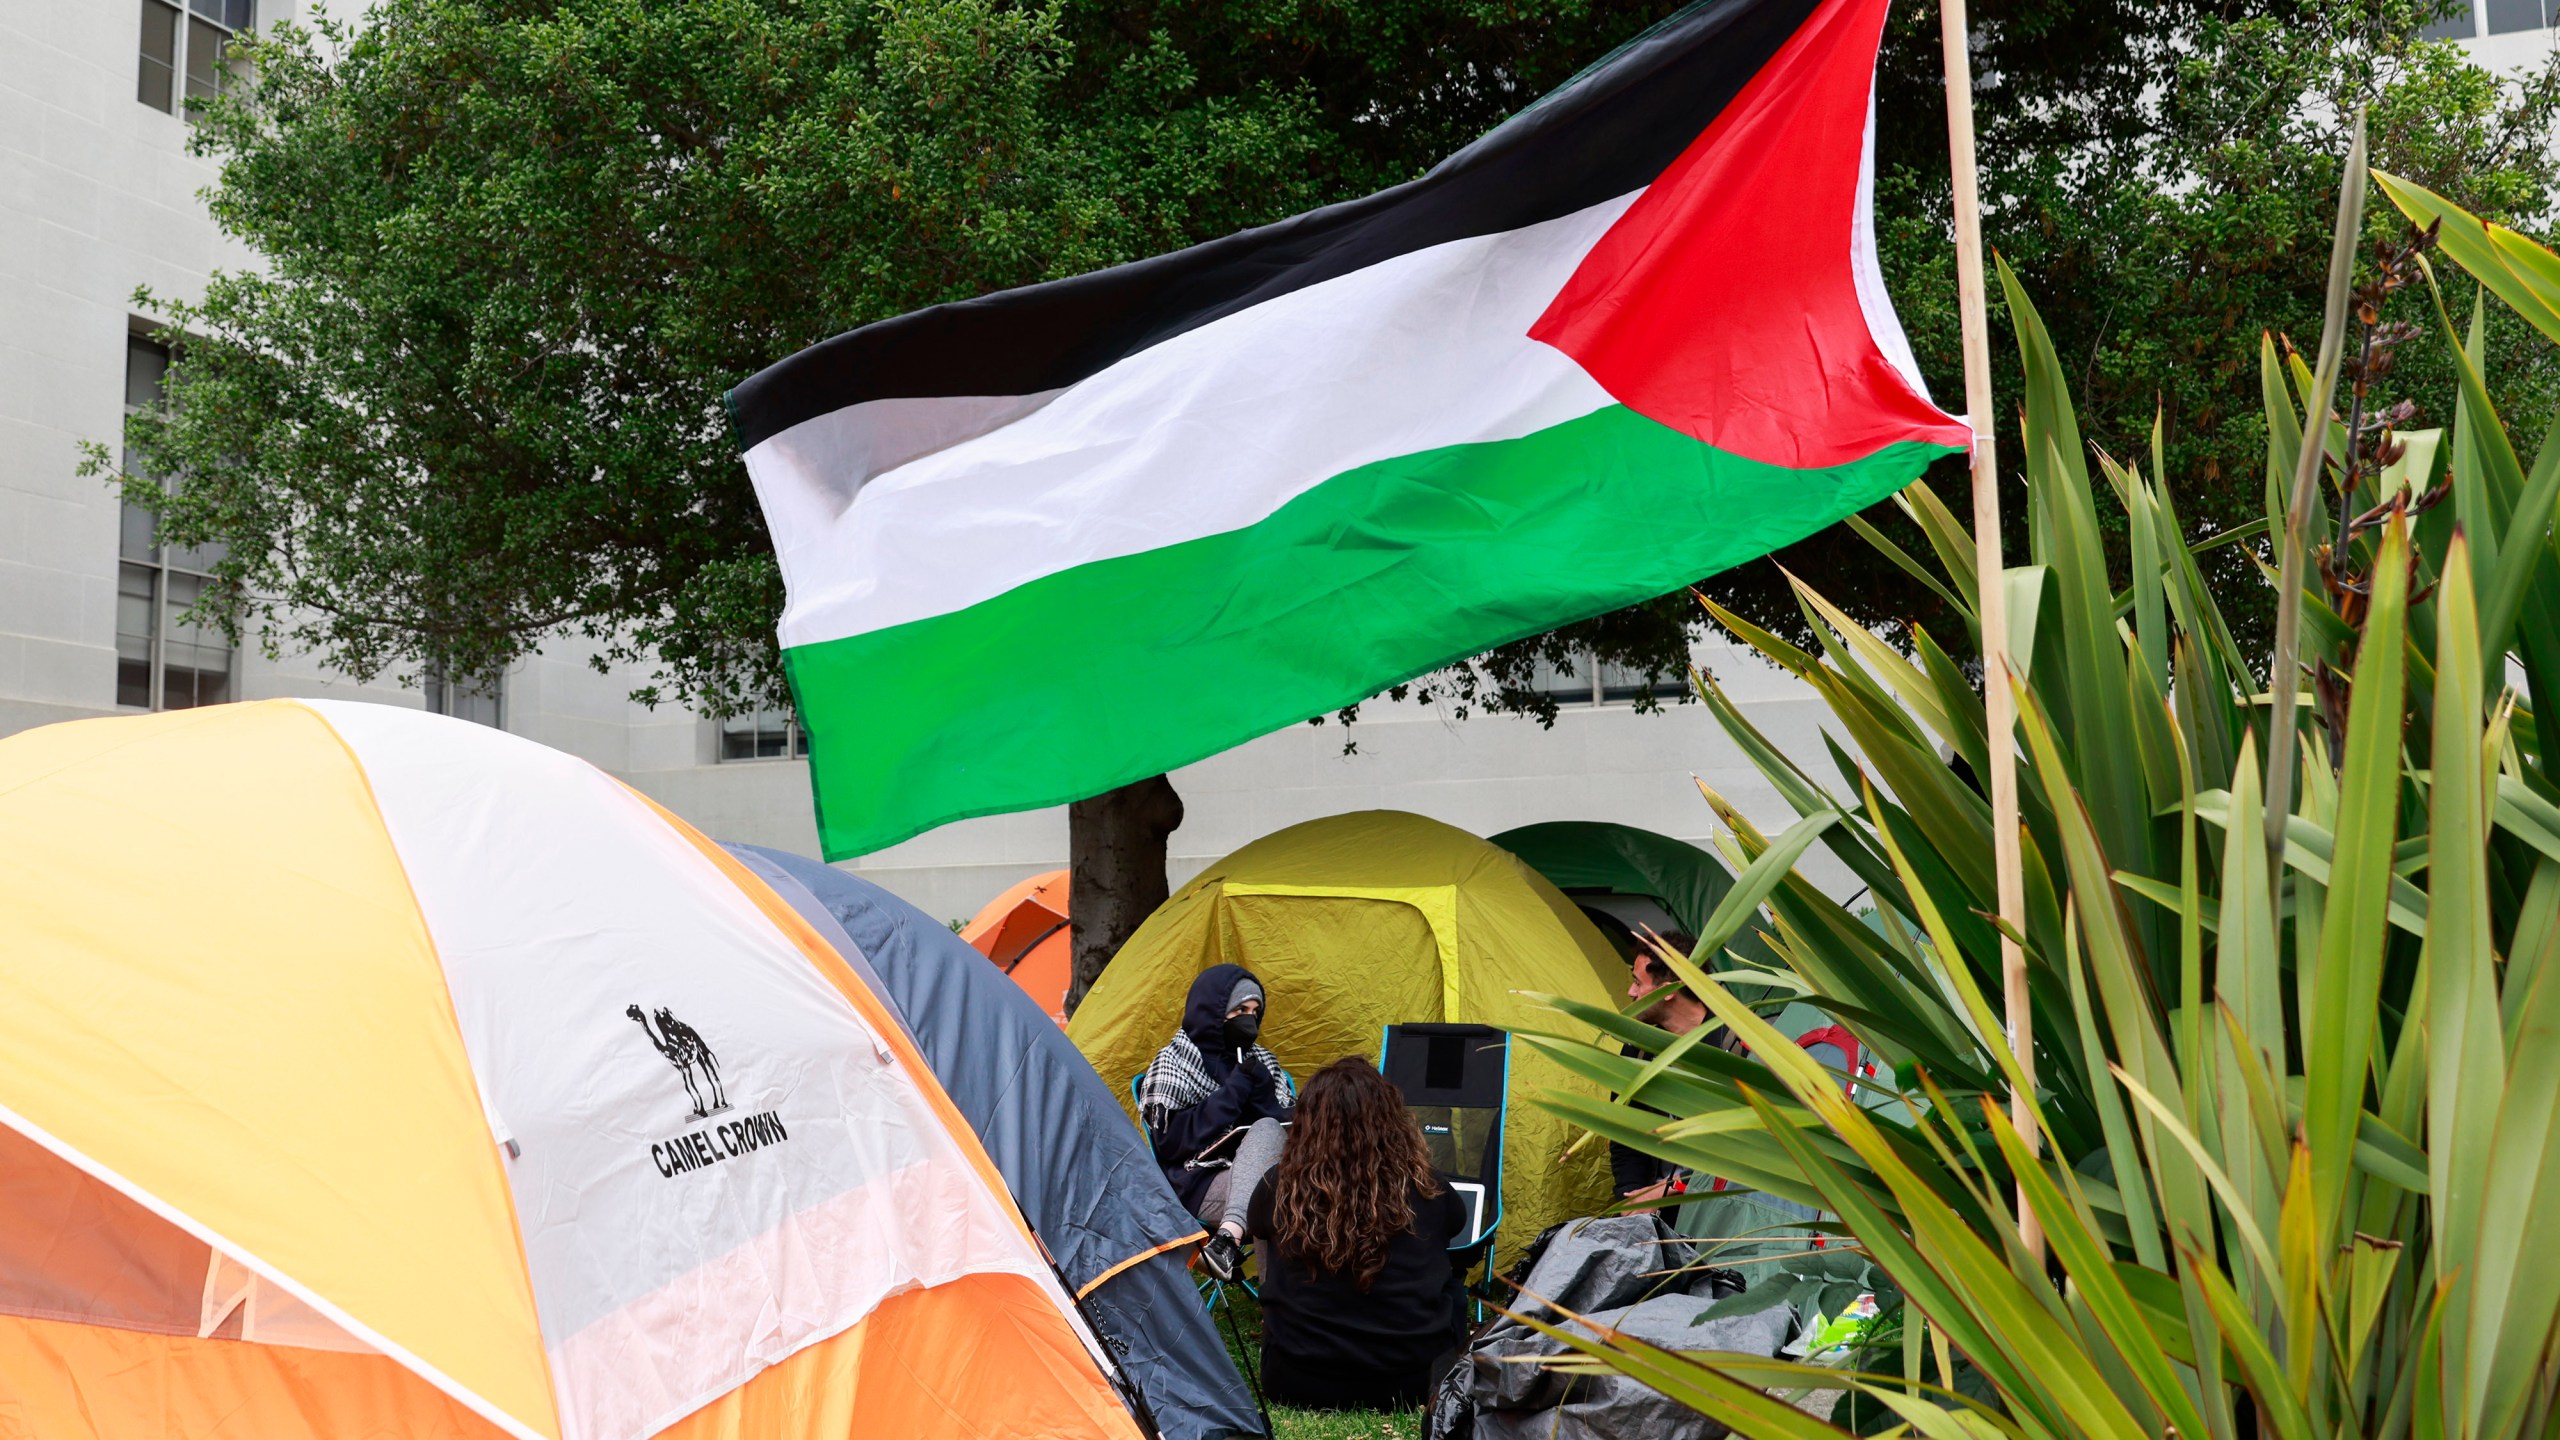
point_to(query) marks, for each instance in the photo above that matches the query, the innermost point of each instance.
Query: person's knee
(1268, 1129)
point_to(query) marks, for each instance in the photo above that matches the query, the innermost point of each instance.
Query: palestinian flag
(1061, 538)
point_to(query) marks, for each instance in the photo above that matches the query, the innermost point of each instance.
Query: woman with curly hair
(1362, 1307)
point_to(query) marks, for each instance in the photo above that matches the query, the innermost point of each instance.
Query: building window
(1593, 683)
(763, 735)
(183, 48)
(2505, 17)
(163, 660)
(482, 702)
(2469, 19)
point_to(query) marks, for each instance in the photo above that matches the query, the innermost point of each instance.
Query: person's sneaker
(1222, 1257)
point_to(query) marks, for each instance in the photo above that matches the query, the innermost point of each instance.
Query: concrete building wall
(97, 197)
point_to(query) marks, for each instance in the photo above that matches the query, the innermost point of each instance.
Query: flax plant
(2299, 1109)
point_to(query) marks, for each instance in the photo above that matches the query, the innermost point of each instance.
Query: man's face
(1252, 1006)
(1647, 976)
(1677, 1011)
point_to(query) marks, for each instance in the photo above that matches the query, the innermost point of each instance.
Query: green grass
(1241, 1318)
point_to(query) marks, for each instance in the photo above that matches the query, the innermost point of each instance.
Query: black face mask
(1242, 1029)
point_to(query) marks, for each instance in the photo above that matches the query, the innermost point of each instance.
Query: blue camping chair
(1456, 1081)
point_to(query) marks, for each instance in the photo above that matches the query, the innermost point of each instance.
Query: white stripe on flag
(1874, 301)
(1205, 433)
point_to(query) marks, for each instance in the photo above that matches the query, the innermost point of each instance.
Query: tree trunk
(1115, 872)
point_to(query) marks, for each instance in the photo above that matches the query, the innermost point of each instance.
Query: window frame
(168, 84)
(2486, 15)
(159, 563)
(795, 740)
(2480, 20)
(448, 699)
(1592, 686)
(170, 23)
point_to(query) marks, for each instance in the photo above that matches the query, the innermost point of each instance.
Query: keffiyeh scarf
(1179, 1078)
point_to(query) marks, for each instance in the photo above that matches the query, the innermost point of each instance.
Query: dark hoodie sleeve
(1187, 1132)
(1265, 1096)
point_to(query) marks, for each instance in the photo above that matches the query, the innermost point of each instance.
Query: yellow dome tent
(1359, 921)
(375, 1074)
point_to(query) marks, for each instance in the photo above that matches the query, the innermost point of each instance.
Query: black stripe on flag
(1609, 130)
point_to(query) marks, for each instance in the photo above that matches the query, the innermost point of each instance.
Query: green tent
(1622, 876)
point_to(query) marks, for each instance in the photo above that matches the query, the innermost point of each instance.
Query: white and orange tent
(368, 1073)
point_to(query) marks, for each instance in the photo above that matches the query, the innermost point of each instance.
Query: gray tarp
(1610, 1271)
(1080, 1171)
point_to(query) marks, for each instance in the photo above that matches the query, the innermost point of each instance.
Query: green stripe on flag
(1116, 670)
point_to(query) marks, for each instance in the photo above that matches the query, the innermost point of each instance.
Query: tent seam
(453, 1016)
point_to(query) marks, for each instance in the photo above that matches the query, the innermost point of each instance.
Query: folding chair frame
(1488, 1191)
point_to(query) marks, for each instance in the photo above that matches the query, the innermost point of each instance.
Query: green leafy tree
(2168, 245)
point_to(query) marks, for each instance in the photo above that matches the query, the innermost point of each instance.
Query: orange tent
(353, 1087)
(1024, 930)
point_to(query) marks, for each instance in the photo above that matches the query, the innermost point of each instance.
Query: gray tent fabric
(1612, 1271)
(1081, 1172)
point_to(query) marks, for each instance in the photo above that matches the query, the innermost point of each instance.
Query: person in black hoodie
(1362, 1304)
(1209, 1079)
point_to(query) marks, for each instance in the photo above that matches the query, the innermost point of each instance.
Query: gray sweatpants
(1231, 1189)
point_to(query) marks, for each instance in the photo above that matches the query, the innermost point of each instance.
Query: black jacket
(1246, 1092)
(1632, 1169)
(1327, 1345)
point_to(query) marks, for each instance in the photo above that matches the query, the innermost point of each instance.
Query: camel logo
(685, 1049)
(699, 1069)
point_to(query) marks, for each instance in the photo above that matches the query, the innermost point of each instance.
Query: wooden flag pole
(1992, 602)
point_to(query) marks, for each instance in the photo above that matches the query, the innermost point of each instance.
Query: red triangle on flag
(1724, 303)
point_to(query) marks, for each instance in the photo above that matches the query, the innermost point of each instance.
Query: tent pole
(1992, 602)
(1121, 1377)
